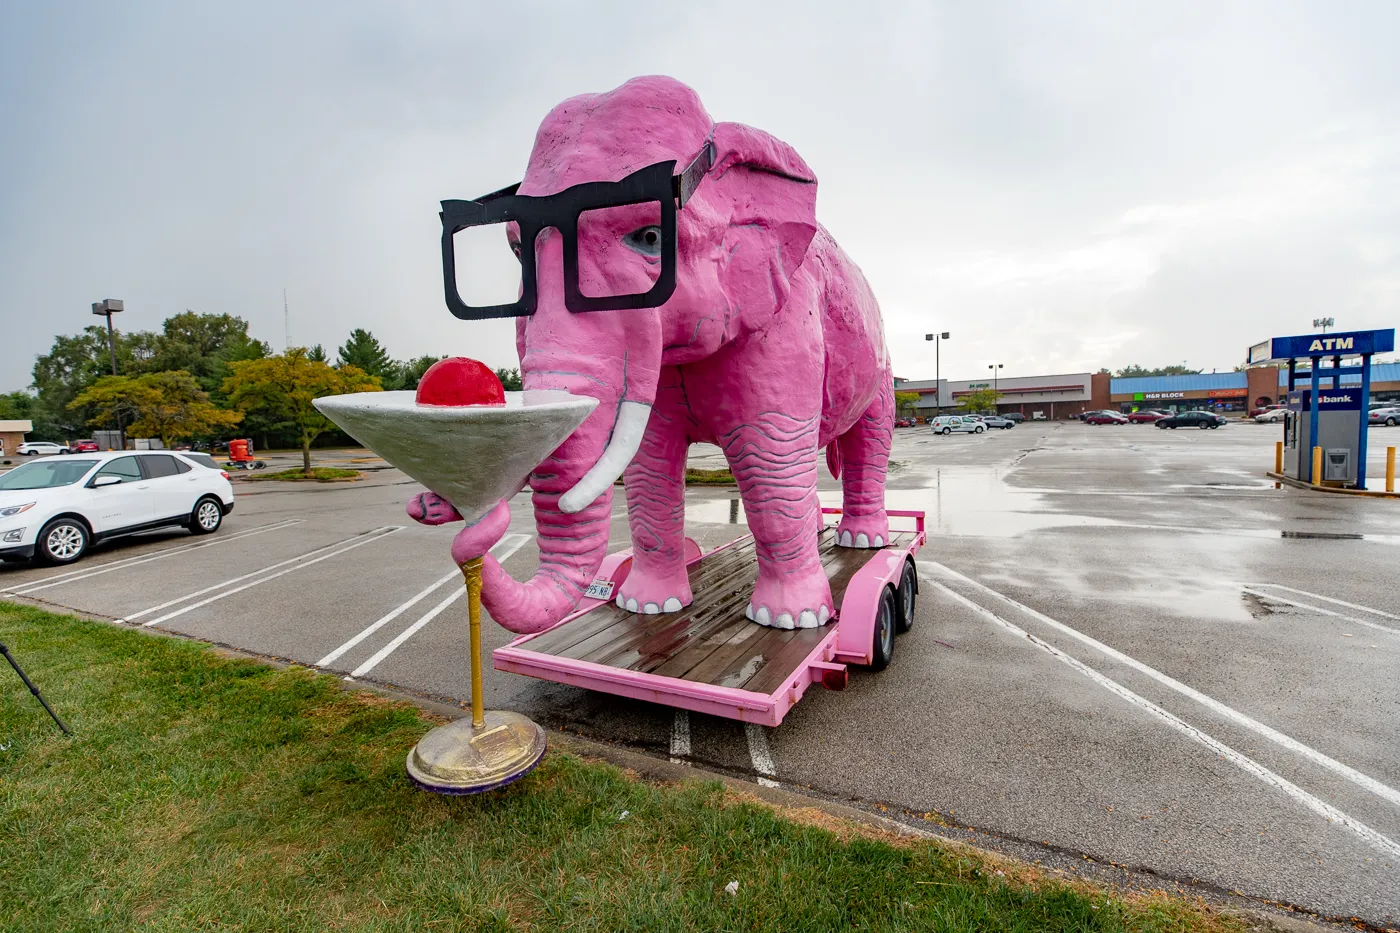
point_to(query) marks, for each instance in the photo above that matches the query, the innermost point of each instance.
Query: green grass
(203, 793)
(318, 475)
(694, 477)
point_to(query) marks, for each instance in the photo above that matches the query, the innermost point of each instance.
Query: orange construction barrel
(238, 450)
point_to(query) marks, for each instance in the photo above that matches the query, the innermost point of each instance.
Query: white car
(956, 424)
(55, 509)
(34, 448)
(1271, 416)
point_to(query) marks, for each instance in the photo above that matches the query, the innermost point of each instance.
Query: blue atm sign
(1354, 343)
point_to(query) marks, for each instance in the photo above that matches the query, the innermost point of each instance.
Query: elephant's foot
(651, 593)
(792, 600)
(863, 531)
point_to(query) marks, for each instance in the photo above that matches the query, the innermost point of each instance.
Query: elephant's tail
(833, 459)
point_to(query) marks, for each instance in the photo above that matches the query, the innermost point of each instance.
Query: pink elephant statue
(770, 346)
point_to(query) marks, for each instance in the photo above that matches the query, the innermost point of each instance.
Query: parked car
(56, 509)
(1192, 419)
(998, 421)
(1084, 415)
(41, 448)
(1271, 415)
(84, 447)
(904, 422)
(1264, 409)
(1015, 416)
(1104, 417)
(1389, 417)
(956, 424)
(1147, 416)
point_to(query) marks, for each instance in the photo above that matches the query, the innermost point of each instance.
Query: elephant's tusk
(631, 424)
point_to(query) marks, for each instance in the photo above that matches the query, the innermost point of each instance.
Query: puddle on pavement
(973, 503)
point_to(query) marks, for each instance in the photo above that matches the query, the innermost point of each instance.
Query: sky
(1060, 186)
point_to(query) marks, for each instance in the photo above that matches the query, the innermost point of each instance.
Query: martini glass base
(460, 759)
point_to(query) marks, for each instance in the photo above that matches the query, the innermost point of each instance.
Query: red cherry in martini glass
(457, 381)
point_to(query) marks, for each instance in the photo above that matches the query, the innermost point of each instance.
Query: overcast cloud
(1062, 186)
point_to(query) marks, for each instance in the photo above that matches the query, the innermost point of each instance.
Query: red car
(84, 447)
(1146, 416)
(904, 422)
(1104, 417)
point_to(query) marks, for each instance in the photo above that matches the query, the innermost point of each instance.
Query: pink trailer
(708, 657)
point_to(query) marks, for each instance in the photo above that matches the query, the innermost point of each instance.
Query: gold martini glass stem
(471, 570)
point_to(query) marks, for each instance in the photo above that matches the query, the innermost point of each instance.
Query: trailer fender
(860, 606)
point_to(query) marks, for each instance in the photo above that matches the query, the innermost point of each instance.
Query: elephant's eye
(644, 240)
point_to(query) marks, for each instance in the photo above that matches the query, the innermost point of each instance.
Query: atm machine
(1339, 429)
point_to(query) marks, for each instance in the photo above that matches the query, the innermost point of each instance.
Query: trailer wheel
(885, 620)
(908, 595)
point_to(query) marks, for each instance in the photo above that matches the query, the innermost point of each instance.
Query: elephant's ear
(771, 195)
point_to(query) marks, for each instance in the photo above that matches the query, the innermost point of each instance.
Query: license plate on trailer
(599, 589)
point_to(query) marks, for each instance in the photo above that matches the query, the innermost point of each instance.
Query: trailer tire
(882, 647)
(908, 597)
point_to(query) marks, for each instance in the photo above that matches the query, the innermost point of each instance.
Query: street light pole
(106, 309)
(996, 371)
(937, 370)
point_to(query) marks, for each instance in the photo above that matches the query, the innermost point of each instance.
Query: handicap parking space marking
(363, 537)
(760, 754)
(1363, 781)
(1254, 590)
(508, 546)
(73, 576)
(1328, 812)
(514, 542)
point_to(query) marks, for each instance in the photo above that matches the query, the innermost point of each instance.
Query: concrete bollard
(1278, 456)
(1390, 469)
(1317, 466)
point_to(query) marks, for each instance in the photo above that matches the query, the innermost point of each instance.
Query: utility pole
(107, 308)
(286, 323)
(937, 374)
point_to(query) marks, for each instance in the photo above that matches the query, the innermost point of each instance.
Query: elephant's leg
(865, 457)
(774, 459)
(655, 481)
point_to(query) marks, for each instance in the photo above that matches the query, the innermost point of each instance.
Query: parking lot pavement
(1130, 646)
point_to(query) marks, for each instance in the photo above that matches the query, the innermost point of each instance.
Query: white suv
(40, 448)
(56, 507)
(957, 424)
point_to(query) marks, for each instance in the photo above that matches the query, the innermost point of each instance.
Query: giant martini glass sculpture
(476, 446)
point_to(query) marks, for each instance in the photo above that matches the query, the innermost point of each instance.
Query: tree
(280, 389)
(510, 379)
(411, 372)
(167, 405)
(364, 352)
(979, 400)
(73, 364)
(1134, 370)
(203, 345)
(317, 354)
(906, 402)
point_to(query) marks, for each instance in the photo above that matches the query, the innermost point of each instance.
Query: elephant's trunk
(573, 488)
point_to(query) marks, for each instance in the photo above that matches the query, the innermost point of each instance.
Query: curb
(1299, 484)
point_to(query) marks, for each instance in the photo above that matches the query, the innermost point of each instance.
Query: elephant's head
(740, 238)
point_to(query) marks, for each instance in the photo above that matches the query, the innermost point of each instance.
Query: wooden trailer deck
(709, 641)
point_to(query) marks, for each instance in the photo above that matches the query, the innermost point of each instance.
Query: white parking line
(1329, 599)
(371, 537)
(1318, 609)
(760, 754)
(433, 613)
(1249, 765)
(73, 576)
(1316, 757)
(680, 737)
(394, 613)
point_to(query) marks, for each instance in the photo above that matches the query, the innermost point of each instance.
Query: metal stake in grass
(32, 689)
(493, 748)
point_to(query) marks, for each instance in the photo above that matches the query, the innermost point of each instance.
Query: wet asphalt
(1131, 650)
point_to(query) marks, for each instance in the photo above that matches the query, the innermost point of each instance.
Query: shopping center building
(1058, 397)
